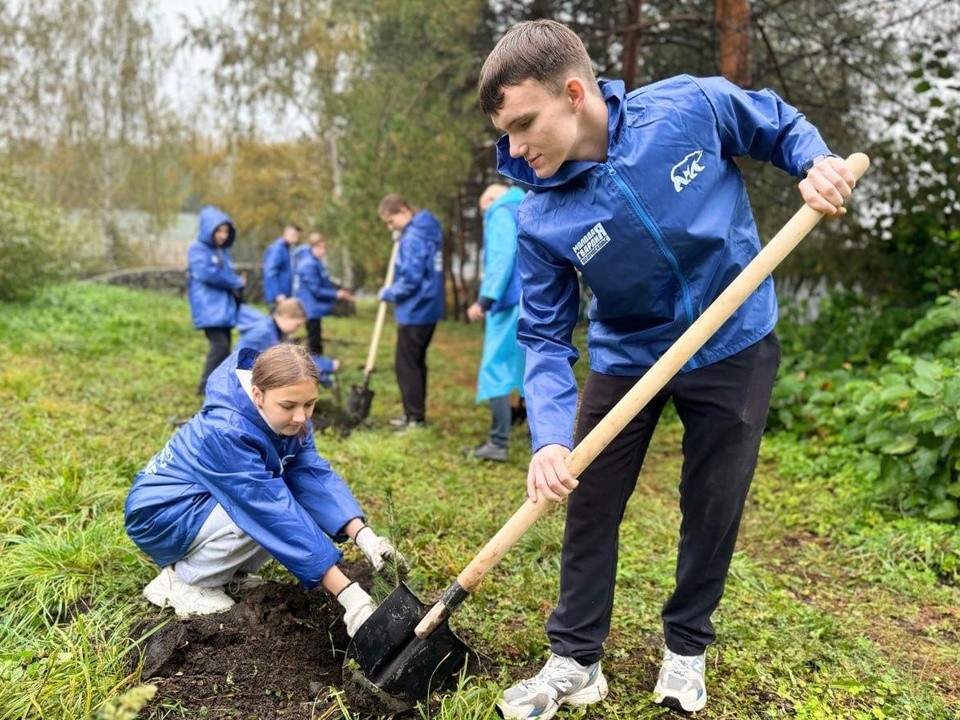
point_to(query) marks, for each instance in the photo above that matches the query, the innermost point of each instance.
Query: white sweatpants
(220, 550)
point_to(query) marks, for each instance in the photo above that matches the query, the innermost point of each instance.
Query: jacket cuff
(485, 302)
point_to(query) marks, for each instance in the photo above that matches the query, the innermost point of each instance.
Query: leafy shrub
(904, 416)
(841, 327)
(30, 236)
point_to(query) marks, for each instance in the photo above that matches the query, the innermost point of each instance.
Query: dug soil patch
(277, 653)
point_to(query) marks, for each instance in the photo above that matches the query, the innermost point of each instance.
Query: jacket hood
(513, 196)
(425, 225)
(225, 391)
(210, 219)
(521, 173)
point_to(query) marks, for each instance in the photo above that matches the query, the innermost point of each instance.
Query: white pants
(220, 550)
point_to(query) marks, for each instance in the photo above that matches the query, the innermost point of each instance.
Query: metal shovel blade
(358, 403)
(388, 669)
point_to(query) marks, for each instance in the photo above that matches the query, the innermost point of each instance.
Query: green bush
(30, 241)
(903, 416)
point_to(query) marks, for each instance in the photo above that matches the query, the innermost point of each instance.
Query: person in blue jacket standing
(242, 482)
(278, 269)
(213, 288)
(417, 291)
(315, 289)
(501, 365)
(287, 317)
(641, 193)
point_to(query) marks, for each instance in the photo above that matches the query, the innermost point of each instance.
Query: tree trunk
(732, 18)
(631, 44)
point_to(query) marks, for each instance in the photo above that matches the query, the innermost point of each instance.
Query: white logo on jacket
(686, 171)
(591, 243)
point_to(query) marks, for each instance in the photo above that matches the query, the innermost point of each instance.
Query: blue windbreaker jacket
(417, 287)
(211, 281)
(501, 279)
(277, 489)
(315, 289)
(277, 270)
(658, 231)
(264, 334)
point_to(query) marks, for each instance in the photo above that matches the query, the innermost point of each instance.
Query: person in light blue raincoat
(641, 194)
(501, 365)
(241, 482)
(213, 288)
(287, 317)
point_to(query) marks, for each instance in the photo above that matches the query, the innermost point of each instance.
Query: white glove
(357, 607)
(377, 549)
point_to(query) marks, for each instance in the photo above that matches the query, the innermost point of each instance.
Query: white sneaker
(167, 589)
(561, 681)
(681, 685)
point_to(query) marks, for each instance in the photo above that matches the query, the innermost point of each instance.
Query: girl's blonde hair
(291, 308)
(282, 365)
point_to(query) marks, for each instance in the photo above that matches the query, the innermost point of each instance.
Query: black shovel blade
(388, 669)
(358, 403)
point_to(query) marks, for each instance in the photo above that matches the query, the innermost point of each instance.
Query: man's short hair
(542, 50)
(316, 237)
(392, 204)
(491, 193)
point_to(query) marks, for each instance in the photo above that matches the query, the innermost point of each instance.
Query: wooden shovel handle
(381, 315)
(686, 346)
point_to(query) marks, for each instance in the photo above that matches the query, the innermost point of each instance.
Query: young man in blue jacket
(278, 265)
(640, 192)
(417, 291)
(501, 365)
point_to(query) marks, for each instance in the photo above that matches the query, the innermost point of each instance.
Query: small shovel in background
(361, 396)
(406, 649)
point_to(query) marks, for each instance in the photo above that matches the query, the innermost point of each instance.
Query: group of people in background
(242, 481)
(636, 193)
(296, 284)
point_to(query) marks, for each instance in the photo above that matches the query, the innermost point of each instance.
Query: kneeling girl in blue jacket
(242, 482)
(287, 317)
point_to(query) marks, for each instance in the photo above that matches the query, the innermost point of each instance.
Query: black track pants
(411, 360)
(219, 350)
(723, 408)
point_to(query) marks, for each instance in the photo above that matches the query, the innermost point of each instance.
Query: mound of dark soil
(332, 417)
(278, 653)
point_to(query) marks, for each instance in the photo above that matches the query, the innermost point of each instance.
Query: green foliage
(31, 243)
(904, 415)
(847, 327)
(818, 570)
(914, 181)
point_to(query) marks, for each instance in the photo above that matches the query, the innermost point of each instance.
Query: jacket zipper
(661, 242)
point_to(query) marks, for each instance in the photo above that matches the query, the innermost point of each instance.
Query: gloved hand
(377, 549)
(357, 607)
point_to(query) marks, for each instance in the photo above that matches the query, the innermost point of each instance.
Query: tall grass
(91, 376)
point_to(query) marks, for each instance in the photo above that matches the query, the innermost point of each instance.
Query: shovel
(361, 396)
(406, 649)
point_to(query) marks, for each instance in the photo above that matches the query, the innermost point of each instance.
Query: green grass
(832, 610)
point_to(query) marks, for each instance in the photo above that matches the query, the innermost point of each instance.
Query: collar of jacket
(517, 169)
